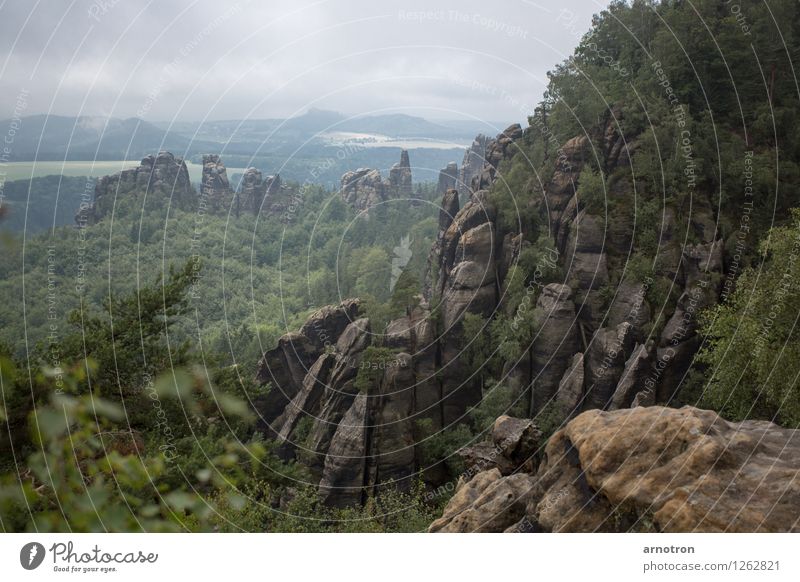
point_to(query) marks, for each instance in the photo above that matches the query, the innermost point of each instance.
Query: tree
(752, 346)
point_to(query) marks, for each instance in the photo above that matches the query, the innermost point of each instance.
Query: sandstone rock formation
(363, 188)
(599, 341)
(472, 165)
(448, 178)
(400, 178)
(160, 178)
(498, 149)
(214, 187)
(643, 469)
(366, 187)
(259, 194)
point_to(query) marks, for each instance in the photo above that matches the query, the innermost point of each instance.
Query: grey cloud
(176, 60)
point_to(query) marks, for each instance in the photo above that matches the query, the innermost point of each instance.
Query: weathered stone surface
(472, 165)
(645, 469)
(447, 213)
(161, 177)
(251, 195)
(400, 178)
(513, 245)
(487, 503)
(554, 344)
(344, 475)
(467, 273)
(393, 438)
(286, 365)
(326, 395)
(363, 188)
(497, 150)
(684, 470)
(585, 255)
(630, 306)
(570, 389)
(564, 181)
(702, 260)
(260, 194)
(637, 368)
(448, 178)
(215, 188)
(605, 362)
(484, 456)
(517, 439)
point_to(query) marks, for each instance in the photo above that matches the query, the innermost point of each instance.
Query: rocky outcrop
(633, 377)
(598, 340)
(513, 446)
(400, 179)
(286, 366)
(448, 178)
(251, 192)
(215, 188)
(259, 194)
(488, 503)
(643, 469)
(363, 188)
(500, 148)
(605, 362)
(472, 165)
(159, 178)
(554, 344)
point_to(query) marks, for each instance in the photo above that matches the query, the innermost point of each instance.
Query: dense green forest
(39, 204)
(140, 335)
(259, 278)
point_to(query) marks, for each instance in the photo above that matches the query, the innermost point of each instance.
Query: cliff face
(597, 343)
(158, 177)
(258, 193)
(365, 187)
(164, 177)
(359, 442)
(215, 188)
(448, 178)
(400, 177)
(472, 165)
(643, 469)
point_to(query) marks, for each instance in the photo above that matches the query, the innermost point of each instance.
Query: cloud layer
(170, 60)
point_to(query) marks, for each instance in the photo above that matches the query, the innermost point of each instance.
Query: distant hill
(55, 137)
(320, 121)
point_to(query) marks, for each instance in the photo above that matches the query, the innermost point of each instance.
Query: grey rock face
(448, 178)
(636, 370)
(161, 177)
(363, 188)
(344, 475)
(400, 178)
(287, 365)
(500, 148)
(555, 342)
(252, 191)
(585, 253)
(215, 188)
(261, 194)
(605, 362)
(472, 165)
(569, 397)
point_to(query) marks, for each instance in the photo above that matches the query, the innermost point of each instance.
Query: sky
(168, 60)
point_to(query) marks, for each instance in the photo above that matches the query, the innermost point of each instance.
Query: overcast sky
(170, 60)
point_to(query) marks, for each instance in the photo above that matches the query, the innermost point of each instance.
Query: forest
(129, 349)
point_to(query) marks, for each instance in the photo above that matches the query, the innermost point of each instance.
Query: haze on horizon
(168, 60)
